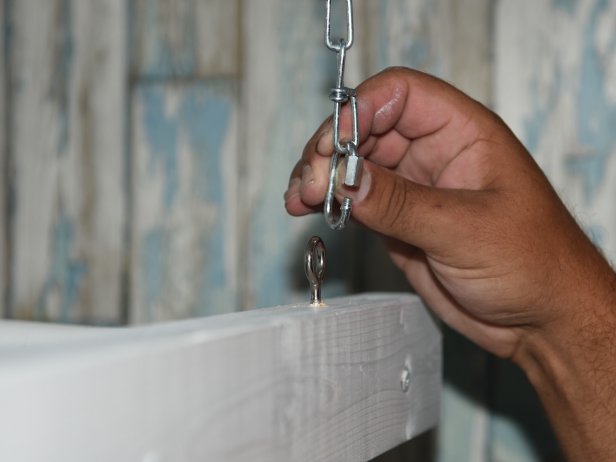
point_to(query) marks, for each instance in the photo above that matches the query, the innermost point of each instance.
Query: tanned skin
(481, 235)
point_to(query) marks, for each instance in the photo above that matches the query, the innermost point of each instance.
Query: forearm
(572, 365)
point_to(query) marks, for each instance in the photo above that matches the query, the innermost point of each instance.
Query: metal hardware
(314, 266)
(328, 26)
(347, 204)
(353, 166)
(405, 379)
(340, 95)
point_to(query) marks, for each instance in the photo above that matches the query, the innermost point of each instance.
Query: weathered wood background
(146, 146)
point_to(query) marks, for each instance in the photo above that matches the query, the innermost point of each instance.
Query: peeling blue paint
(596, 116)
(205, 113)
(200, 119)
(416, 50)
(162, 135)
(301, 104)
(159, 54)
(65, 273)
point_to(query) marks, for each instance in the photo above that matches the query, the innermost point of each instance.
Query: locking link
(353, 166)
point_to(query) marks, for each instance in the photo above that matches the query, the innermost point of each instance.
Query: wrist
(571, 363)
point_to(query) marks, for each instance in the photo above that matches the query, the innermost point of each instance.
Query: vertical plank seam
(128, 180)
(492, 52)
(241, 295)
(243, 211)
(9, 190)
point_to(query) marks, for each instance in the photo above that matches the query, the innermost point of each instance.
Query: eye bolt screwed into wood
(314, 266)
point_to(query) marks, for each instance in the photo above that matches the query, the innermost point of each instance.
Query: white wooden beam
(290, 383)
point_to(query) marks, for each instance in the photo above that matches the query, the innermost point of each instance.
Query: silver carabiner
(347, 203)
(346, 44)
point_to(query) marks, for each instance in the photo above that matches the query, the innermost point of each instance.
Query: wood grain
(185, 38)
(432, 36)
(284, 99)
(185, 195)
(288, 383)
(68, 80)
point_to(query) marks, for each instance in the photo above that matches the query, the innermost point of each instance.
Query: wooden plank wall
(146, 145)
(4, 145)
(184, 154)
(66, 68)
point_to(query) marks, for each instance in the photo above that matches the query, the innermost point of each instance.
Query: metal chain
(340, 95)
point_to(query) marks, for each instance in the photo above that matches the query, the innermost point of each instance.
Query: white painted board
(279, 384)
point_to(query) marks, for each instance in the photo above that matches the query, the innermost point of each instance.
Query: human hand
(484, 239)
(467, 214)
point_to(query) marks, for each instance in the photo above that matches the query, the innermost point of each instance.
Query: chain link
(348, 43)
(340, 95)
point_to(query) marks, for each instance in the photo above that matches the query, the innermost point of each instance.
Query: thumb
(423, 216)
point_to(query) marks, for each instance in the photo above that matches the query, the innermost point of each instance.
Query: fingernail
(293, 188)
(325, 144)
(307, 175)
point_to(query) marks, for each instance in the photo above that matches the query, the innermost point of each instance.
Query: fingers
(409, 122)
(413, 263)
(308, 181)
(405, 103)
(429, 218)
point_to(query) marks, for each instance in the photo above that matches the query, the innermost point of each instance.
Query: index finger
(401, 106)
